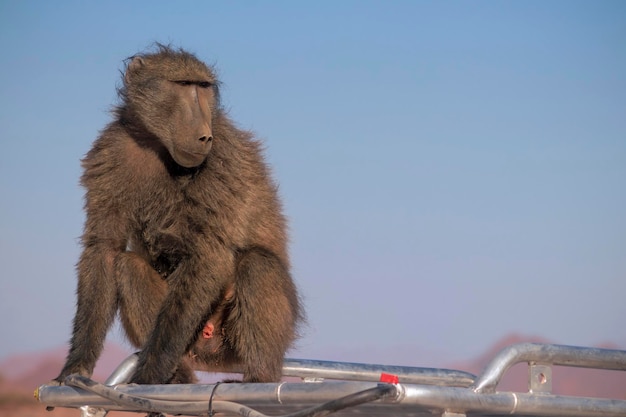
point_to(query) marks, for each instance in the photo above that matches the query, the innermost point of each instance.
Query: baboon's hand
(60, 380)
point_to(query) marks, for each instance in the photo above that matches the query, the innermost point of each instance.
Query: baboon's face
(176, 101)
(190, 136)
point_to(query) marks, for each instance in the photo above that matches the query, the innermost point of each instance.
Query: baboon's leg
(261, 324)
(141, 293)
(95, 310)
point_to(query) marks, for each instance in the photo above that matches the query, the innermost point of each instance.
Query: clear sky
(453, 172)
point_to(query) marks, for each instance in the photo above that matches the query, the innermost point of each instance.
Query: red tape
(389, 378)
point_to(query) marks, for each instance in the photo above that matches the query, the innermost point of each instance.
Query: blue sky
(453, 172)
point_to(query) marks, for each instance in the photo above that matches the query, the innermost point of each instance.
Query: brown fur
(184, 229)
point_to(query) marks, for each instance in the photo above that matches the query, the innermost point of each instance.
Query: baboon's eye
(183, 82)
(205, 84)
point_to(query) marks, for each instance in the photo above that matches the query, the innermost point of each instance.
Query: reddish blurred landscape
(20, 375)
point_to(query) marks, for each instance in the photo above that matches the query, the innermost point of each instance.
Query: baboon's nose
(206, 139)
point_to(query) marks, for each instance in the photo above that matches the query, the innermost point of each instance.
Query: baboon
(184, 233)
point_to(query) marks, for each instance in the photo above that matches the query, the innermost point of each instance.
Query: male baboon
(184, 233)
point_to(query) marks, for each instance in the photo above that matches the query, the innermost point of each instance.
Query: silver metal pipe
(464, 401)
(422, 391)
(123, 372)
(348, 371)
(547, 354)
(285, 397)
(389, 392)
(257, 393)
(120, 375)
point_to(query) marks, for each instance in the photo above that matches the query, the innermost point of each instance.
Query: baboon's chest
(173, 225)
(170, 228)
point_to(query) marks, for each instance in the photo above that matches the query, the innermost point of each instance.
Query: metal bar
(547, 354)
(465, 401)
(123, 372)
(289, 396)
(345, 371)
(250, 393)
(348, 371)
(422, 391)
(142, 403)
(120, 375)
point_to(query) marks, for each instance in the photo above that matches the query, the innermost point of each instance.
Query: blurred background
(454, 172)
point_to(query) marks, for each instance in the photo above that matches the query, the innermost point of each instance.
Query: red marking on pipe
(389, 378)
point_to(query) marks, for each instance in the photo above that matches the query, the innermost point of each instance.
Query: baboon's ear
(134, 65)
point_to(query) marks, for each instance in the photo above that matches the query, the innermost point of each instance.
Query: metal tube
(290, 396)
(435, 392)
(547, 354)
(124, 371)
(348, 371)
(143, 403)
(257, 393)
(465, 401)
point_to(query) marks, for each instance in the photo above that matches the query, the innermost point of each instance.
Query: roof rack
(352, 389)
